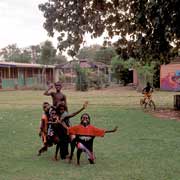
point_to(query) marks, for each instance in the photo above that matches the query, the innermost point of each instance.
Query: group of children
(55, 128)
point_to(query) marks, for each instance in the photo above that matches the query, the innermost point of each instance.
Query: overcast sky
(21, 22)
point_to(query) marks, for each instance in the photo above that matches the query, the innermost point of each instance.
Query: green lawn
(143, 148)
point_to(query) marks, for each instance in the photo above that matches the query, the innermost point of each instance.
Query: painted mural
(171, 81)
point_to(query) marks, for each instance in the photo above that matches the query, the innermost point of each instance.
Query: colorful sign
(171, 81)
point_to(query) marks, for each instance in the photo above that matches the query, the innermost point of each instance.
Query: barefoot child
(64, 123)
(44, 127)
(85, 134)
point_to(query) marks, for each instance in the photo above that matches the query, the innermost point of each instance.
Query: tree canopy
(144, 27)
(88, 52)
(44, 53)
(105, 54)
(97, 53)
(13, 53)
(48, 53)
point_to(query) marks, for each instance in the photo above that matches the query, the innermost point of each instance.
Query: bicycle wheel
(152, 105)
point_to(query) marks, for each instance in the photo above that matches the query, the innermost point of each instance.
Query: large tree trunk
(177, 102)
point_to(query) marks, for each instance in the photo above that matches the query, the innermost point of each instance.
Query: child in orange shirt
(85, 134)
(44, 127)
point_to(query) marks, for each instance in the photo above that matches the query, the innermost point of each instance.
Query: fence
(37, 81)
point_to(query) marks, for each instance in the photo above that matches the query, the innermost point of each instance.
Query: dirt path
(167, 114)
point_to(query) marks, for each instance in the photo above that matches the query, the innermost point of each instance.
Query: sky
(22, 24)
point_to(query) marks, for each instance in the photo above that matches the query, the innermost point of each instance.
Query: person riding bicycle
(147, 91)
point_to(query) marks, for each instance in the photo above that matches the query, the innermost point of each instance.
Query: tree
(60, 59)
(119, 69)
(145, 73)
(48, 53)
(88, 52)
(105, 55)
(14, 54)
(36, 53)
(25, 56)
(82, 79)
(97, 53)
(151, 26)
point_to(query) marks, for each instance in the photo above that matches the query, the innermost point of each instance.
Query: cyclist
(147, 91)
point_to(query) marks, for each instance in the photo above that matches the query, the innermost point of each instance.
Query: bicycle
(147, 103)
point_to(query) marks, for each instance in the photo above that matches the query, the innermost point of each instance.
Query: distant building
(23, 75)
(68, 69)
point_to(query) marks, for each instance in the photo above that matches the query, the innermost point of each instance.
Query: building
(23, 75)
(68, 69)
(170, 76)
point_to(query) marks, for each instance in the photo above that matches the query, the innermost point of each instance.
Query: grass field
(143, 148)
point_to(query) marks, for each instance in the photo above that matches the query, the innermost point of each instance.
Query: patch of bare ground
(167, 114)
